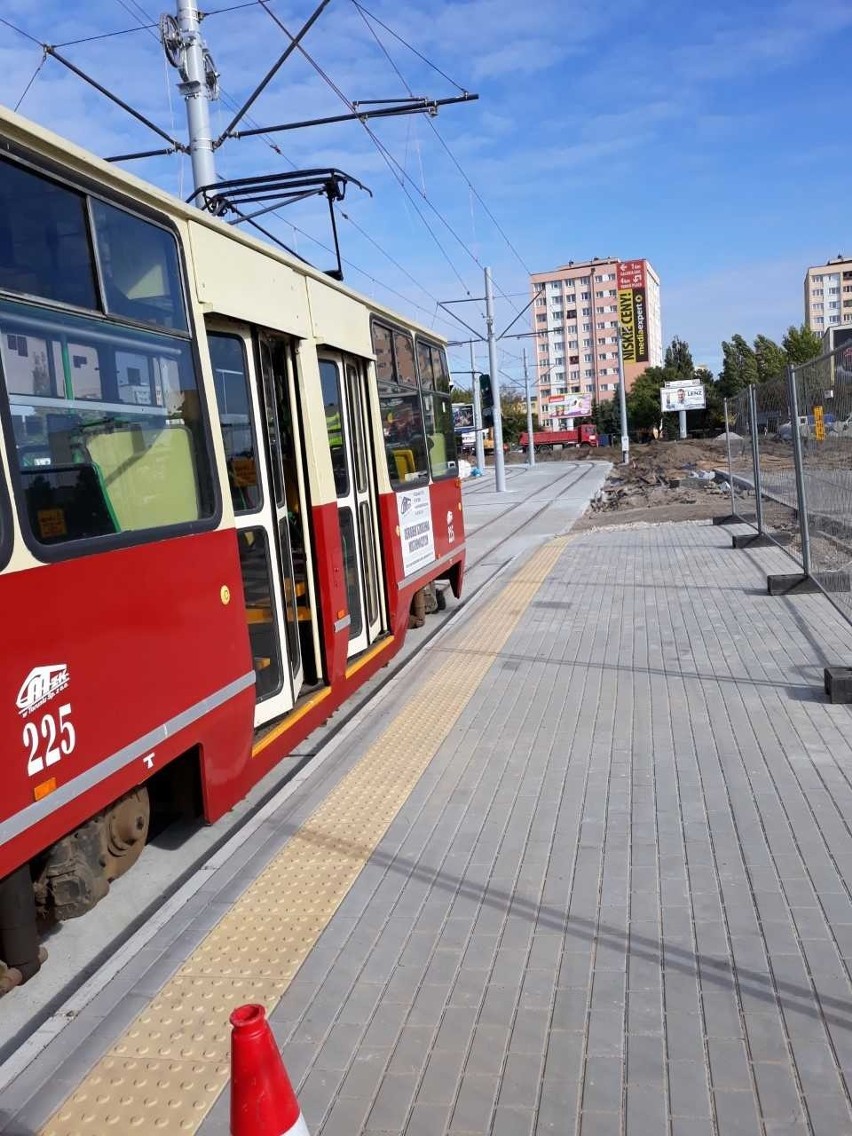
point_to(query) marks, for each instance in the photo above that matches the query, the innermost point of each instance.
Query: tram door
(261, 440)
(344, 390)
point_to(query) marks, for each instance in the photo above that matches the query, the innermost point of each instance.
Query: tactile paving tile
(171, 1063)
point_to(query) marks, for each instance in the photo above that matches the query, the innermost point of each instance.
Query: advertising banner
(415, 529)
(570, 405)
(633, 311)
(683, 396)
(463, 415)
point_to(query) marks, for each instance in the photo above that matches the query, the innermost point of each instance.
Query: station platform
(582, 866)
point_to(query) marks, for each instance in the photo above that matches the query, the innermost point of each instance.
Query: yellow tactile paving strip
(168, 1068)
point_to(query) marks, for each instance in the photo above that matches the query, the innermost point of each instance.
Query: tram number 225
(53, 737)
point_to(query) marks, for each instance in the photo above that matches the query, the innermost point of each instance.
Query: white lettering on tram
(40, 685)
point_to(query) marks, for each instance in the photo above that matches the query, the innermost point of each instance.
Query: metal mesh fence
(824, 398)
(740, 457)
(779, 503)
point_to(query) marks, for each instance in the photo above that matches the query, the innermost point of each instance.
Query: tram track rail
(65, 1003)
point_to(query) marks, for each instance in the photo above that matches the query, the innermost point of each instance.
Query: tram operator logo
(40, 685)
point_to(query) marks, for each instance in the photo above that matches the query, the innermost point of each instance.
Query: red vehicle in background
(545, 440)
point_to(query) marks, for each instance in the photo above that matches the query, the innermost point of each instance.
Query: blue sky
(707, 139)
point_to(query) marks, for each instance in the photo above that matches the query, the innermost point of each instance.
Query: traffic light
(486, 401)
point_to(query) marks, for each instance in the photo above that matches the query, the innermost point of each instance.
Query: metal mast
(499, 464)
(186, 51)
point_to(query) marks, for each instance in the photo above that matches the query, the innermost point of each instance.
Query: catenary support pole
(730, 462)
(477, 411)
(622, 400)
(530, 439)
(197, 92)
(755, 457)
(499, 463)
(799, 466)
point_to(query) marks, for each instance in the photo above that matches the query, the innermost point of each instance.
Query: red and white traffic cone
(262, 1099)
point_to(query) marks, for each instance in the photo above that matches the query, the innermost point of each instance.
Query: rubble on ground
(668, 473)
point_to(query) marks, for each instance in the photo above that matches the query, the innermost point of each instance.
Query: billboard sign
(633, 311)
(570, 405)
(683, 396)
(463, 415)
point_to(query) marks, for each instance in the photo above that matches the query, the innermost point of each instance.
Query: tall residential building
(575, 316)
(828, 294)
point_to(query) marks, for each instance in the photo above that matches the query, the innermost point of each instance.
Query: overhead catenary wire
(364, 13)
(33, 78)
(138, 13)
(388, 158)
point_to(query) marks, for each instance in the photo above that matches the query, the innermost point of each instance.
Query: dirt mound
(663, 474)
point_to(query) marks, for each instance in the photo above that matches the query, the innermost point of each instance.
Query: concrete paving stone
(521, 1080)
(316, 1094)
(440, 1081)
(558, 1108)
(538, 988)
(339, 1045)
(729, 1066)
(510, 1122)
(347, 1115)
(499, 1005)
(393, 1102)
(412, 1050)
(361, 1003)
(456, 1029)
(475, 1104)
(600, 1124)
(509, 966)
(736, 1114)
(602, 1085)
(645, 1012)
(364, 1074)
(721, 1012)
(529, 1032)
(778, 1093)
(646, 1060)
(488, 1050)
(684, 1036)
(570, 1010)
(692, 1126)
(606, 1033)
(386, 1024)
(646, 1110)
(689, 1089)
(469, 987)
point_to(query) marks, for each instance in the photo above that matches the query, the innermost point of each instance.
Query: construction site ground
(661, 483)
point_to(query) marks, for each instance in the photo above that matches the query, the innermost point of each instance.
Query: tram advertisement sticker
(415, 527)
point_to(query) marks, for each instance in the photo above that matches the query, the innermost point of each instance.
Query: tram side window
(107, 425)
(139, 268)
(399, 399)
(438, 410)
(44, 242)
(230, 378)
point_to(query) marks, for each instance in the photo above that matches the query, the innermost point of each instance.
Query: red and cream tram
(224, 480)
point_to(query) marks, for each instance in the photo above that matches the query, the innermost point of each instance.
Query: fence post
(755, 458)
(799, 466)
(730, 461)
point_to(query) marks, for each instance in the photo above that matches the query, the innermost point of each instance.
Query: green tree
(643, 398)
(801, 344)
(461, 394)
(739, 366)
(606, 415)
(771, 359)
(679, 359)
(514, 412)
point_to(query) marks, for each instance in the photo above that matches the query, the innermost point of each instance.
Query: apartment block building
(575, 318)
(828, 294)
